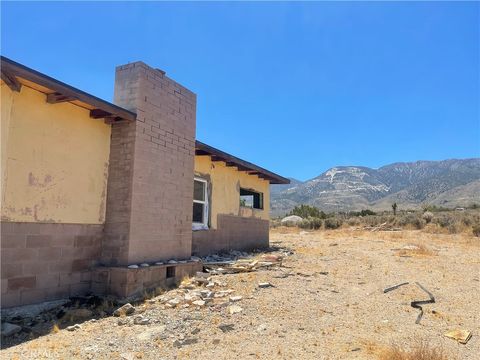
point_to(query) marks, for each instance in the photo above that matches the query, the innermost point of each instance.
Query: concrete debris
(264, 285)
(235, 298)
(8, 329)
(173, 302)
(199, 303)
(126, 309)
(462, 336)
(74, 327)
(234, 309)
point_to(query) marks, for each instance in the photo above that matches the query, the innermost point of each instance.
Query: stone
(126, 309)
(235, 298)
(122, 321)
(132, 266)
(261, 327)
(9, 329)
(195, 259)
(226, 327)
(216, 341)
(234, 309)
(144, 265)
(291, 220)
(74, 327)
(140, 320)
(199, 303)
(173, 302)
(172, 262)
(264, 285)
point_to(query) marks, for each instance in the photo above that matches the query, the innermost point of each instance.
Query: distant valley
(447, 183)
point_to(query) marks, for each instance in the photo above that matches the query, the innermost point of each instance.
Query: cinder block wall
(150, 184)
(233, 233)
(41, 262)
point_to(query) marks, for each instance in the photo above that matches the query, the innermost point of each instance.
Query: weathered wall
(225, 183)
(150, 184)
(54, 160)
(41, 262)
(232, 233)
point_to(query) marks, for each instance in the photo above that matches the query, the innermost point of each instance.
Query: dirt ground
(326, 302)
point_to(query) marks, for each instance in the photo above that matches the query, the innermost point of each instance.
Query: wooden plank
(11, 81)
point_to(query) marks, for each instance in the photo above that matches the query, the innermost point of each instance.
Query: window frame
(203, 202)
(253, 193)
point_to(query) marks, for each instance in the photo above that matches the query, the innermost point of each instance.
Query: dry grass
(418, 250)
(421, 351)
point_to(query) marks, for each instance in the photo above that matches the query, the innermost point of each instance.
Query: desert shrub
(333, 223)
(421, 351)
(412, 220)
(353, 221)
(427, 216)
(311, 223)
(365, 212)
(476, 230)
(306, 211)
(445, 220)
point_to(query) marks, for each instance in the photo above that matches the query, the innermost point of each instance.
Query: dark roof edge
(11, 67)
(204, 149)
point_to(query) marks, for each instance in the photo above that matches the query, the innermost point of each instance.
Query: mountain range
(447, 183)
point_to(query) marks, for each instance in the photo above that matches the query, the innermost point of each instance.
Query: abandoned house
(115, 198)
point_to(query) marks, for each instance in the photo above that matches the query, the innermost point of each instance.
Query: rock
(172, 262)
(235, 298)
(126, 309)
(8, 329)
(195, 331)
(140, 320)
(226, 327)
(199, 303)
(144, 265)
(132, 266)
(151, 333)
(234, 309)
(122, 321)
(74, 327)
(183, 261)
(195, 259)
(216, 341)
(261, 327)
(173, 302)
(264, 285)
(291, 220)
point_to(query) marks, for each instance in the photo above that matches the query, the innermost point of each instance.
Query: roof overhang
(16, 75)
(241, 165)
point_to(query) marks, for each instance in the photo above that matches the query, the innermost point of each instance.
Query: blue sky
(294, 87)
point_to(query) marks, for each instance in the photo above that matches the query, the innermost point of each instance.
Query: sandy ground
(327, 302)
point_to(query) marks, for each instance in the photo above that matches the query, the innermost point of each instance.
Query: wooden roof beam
(11, 81)
(56, 97)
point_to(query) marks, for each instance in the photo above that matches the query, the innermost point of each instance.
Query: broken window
(200, 202)
(251, 199)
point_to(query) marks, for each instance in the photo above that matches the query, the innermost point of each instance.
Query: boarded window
(200, 205)
(251, 199)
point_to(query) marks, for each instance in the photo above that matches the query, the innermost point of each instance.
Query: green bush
(333, 223)
(306, 211)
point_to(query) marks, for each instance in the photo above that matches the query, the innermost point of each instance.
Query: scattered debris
(235, 298)
(234, 309)
(394, 287)
(462, 336)
(264, 285)
(417, 304)
(74, 327)
(126, 309)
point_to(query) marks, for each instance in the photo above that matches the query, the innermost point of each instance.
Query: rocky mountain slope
(446, 183)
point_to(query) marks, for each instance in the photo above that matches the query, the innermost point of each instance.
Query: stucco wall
(225, 183)
(54, 160)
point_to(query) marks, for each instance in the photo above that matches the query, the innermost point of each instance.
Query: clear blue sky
(294, 87)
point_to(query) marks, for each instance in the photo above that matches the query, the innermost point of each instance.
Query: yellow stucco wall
(54, 160)
(225, 183)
